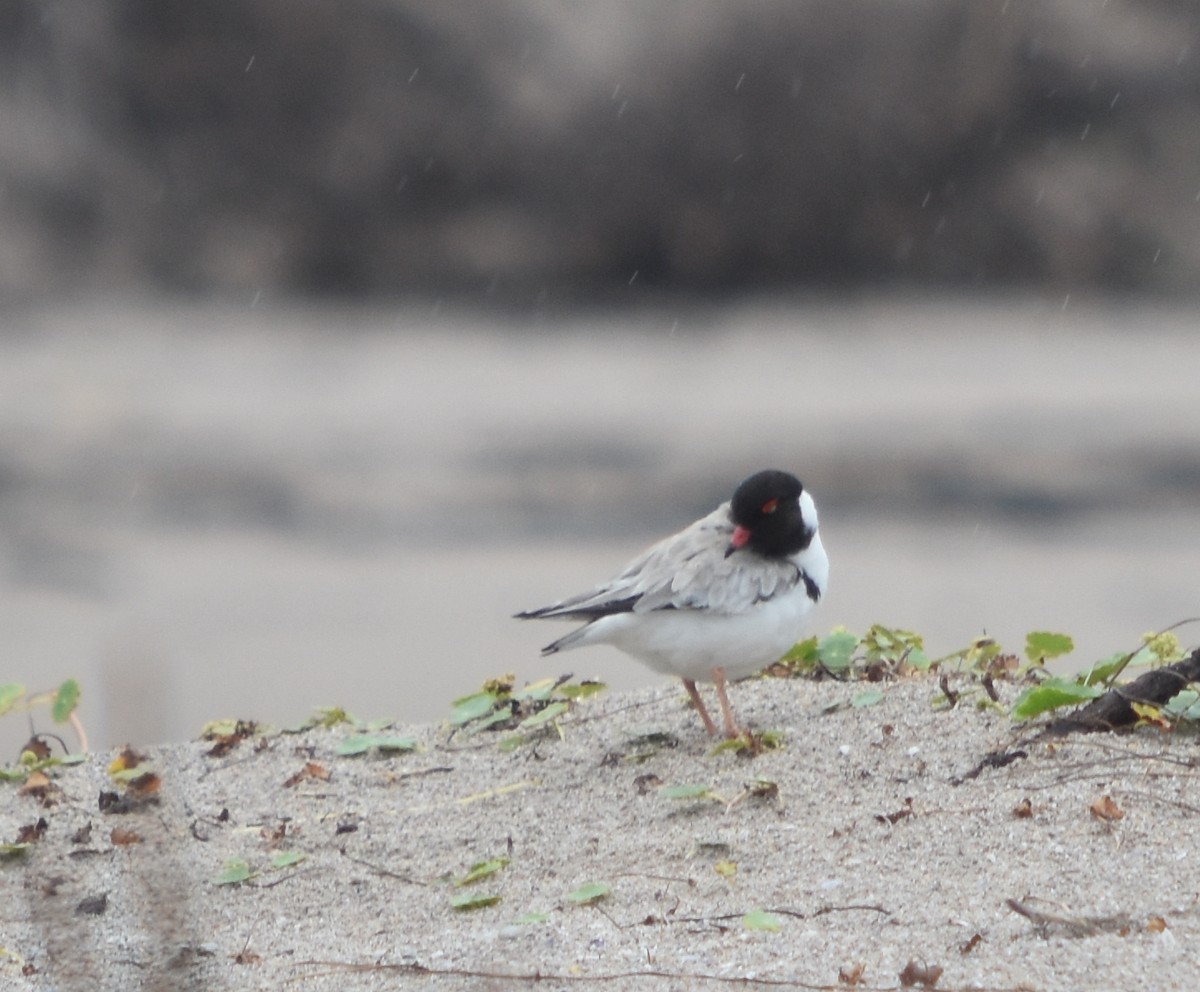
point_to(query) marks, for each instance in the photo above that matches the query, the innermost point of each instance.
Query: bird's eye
(770, 505)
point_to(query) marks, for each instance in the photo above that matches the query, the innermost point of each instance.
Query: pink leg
(699, 704)
(732, 730)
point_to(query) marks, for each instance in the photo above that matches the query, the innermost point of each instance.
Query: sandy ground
(860, 836)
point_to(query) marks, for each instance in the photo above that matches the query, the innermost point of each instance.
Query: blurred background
(333, 334)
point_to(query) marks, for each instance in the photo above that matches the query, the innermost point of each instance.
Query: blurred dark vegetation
(526, 150)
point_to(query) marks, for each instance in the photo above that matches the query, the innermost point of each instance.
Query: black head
(766, 516)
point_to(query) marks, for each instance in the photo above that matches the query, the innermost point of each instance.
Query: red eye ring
(771, 505)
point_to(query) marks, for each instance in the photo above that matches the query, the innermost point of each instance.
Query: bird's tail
(564, 642)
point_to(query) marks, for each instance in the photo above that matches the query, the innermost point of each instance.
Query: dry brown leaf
(900, 814)
(275, 835)
(968, 946)
(1105, 809)
(123, 838)
(37, 747)
(223, 744)
(38, 785)
(851, 974)
(645, 783)
(29, 833)
(126, 759)
(146, 784)
(1156, 924)
(920, 974)
(1023, 810)
(1003, 665)
(311, 770)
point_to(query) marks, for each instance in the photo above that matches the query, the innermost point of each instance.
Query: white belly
(690, 644)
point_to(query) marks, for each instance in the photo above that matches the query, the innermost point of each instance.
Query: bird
(719, 600)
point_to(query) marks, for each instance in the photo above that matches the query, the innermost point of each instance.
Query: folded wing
(687, 571)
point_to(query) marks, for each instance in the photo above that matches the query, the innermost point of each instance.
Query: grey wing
(686, 571)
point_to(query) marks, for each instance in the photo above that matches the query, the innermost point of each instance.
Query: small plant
(235, 871)
(1053, 692)
(886, 652)
(62, 701)
(879, 653)
(527, 712)
(474, 899)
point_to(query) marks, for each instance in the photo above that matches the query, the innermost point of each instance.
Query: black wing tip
(560, 611)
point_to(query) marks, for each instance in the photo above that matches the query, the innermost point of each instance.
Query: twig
(435, 770)
(1115, 708)
(385, 872)
(1076, 926)
(996, 759)
(688, 978)
(722, 917)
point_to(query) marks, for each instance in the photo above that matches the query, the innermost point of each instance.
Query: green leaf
(480, 870)
(1184, 705)
(867, 698)
(10, 694)
(735, 744)
(1104, 668)
(760, 919)
(802, 655)
(331, 716)
(285, 859)
(362, 743)
(533, 918)
(981, 651)
(544, 716)
(589, 893)
(835, 650)
(510, 743)
(539, 690)
(1042, 645)
(464, 902)
(891, 644)
(468, 708)
(582, 690)
(128, 774)
(225, 727)
(235, 872)
(65, 701)
(686, 792)
(772, 740)
(768, 740)
(13, 851)
(919, 660)
(502, 714)
(1050, 695)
